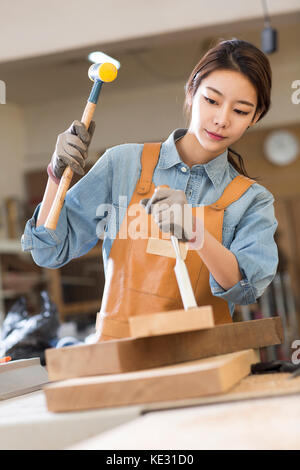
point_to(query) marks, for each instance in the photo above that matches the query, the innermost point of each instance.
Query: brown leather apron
(139, 283)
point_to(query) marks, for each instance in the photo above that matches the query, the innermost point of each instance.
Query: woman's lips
(214, 136)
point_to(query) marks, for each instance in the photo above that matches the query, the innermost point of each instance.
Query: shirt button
(183, 169)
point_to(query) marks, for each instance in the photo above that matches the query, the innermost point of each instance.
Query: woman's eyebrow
(239, 101)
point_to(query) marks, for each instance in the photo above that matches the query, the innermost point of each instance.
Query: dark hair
(240, 56)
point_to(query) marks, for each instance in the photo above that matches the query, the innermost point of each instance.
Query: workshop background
(44, 86)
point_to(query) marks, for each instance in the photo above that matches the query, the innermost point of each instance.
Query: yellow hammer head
(106, 72)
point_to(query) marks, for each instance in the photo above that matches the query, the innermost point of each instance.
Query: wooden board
(125, 355)
(251, 387)
(193, 379)
(21, 376)
(157, 246)
(174, 321)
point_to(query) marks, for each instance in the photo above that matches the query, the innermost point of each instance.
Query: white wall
(135, 116)
(132, 116)
(151, 112)
(38, 27)
(129, 114)
(12, 150)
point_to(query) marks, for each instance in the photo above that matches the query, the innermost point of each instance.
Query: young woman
(190, 185)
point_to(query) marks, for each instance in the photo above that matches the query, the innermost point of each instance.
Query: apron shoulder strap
(149, 161)
(233, 191)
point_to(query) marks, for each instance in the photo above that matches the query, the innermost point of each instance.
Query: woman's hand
(173, 214)
(72, 149)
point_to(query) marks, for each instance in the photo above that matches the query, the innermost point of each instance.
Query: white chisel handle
(183, 279)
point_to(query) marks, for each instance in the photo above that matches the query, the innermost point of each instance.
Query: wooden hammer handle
(67, 176)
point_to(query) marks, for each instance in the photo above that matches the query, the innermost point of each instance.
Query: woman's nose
(221, 118)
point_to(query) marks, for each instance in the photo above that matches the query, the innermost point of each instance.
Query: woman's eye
(241, 112)
(209, 100)
(238, 111)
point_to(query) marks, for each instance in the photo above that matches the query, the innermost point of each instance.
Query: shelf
(10, 246)
(67, 282)
(57, 280)
(91, 306)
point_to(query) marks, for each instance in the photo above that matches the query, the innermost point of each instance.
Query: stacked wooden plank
(169, 356)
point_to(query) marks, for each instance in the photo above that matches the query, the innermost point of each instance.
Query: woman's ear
(189, 99)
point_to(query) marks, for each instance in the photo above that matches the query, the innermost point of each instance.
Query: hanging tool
(98, 73)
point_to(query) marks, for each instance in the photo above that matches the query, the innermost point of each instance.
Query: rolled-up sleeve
(256, 252)
(76, 232)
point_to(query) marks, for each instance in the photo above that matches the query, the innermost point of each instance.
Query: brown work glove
(72, 149)
(171, 212)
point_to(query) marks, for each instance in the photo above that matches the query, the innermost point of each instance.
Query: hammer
(98, 73)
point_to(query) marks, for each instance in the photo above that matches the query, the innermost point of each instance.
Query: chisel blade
(183, 279)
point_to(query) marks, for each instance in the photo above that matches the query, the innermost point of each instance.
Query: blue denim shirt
(248, 228)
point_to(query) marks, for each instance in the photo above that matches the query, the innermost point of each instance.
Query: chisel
(183, 278)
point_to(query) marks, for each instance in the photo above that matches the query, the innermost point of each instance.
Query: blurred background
(44, 50)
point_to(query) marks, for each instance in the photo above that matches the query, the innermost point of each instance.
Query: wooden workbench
(270, 423)
(233, 420)
(26, 424)
(251, 416)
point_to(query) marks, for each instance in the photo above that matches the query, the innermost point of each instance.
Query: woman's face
(217, 108)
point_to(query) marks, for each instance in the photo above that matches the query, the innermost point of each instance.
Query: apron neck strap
(149, 161)
(233, 191)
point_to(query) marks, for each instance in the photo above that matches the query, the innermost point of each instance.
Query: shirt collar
(169, 157)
